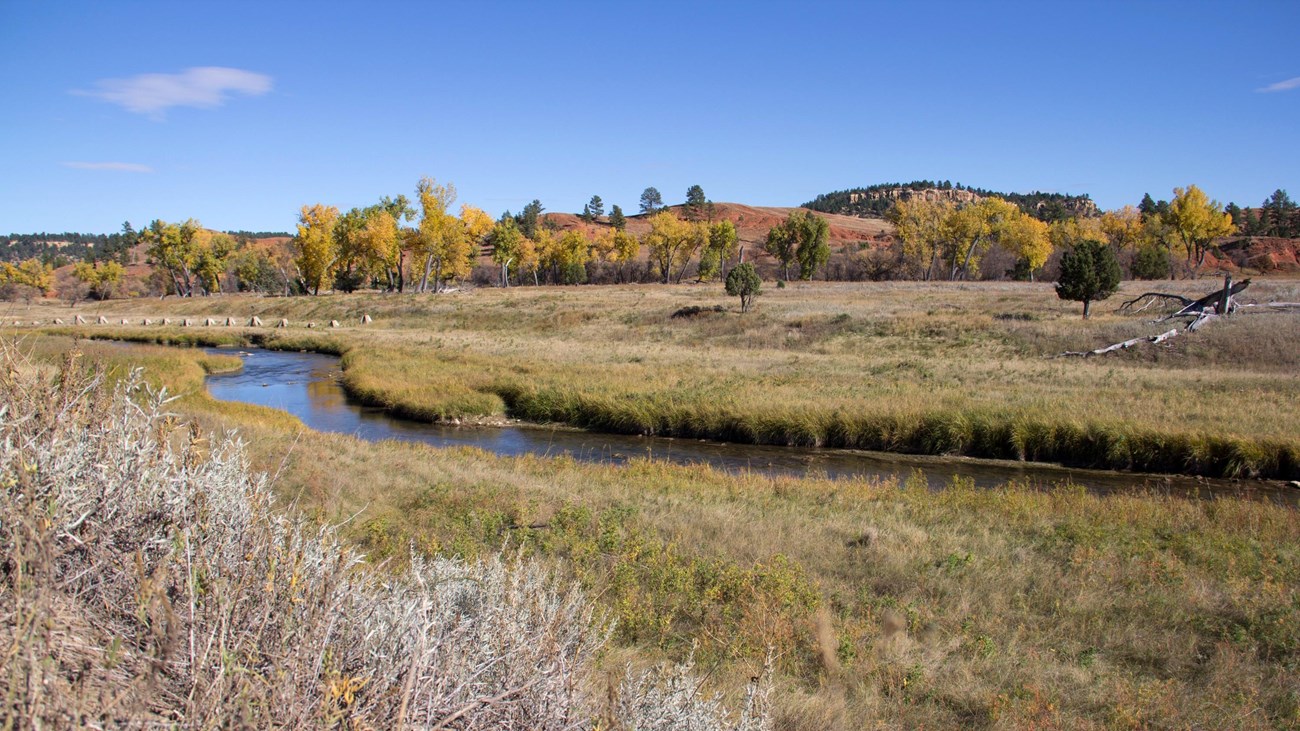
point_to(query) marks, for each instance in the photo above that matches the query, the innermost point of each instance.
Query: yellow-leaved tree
(672, 242)
(101, 278)
(1123, 228)
(1197, 221)
(315, 249)
(380, 246)
(478, 225)
(441, 241)
(1067, 233)
(26, 279)
(919, 224)
(567, 258)
(625, 248)
(1027, 239)
(174, 248)
(544, 243)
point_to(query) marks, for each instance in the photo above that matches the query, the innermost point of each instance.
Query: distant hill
(752, 223)
(874, 201)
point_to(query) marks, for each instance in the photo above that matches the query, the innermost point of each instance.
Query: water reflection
(305, 385)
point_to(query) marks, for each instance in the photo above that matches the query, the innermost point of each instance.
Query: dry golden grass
(966, 608)
(920, 367)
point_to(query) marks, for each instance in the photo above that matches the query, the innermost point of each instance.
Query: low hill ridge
(875, 200)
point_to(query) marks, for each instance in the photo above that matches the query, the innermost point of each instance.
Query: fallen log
(1270, 306)
(1200, 320)
(1220, 301)
(1153, 339)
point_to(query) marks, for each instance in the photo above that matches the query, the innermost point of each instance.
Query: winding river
(306, 385)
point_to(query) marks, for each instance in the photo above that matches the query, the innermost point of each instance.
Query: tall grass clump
(148, 579)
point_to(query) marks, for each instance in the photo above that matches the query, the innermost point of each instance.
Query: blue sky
(238, 113)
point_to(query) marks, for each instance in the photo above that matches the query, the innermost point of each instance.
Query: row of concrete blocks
(189, 322)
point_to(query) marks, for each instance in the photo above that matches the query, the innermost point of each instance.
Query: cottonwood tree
(212, 258)
(801, 237)
(441, 241)
(1026, 238)
(624, 248)
(1089, 272)
(380, 245)
(723, 245)
(506, 241)
(651, 201)
(101, 278)
(567, 257)
(672, 242)
(744, 282)
(316, 250)
(969, 232)
(26, 278)
(1123, 228)
(478, 225)
(919, 224)
(1196, 222)
(172, 247)
(351, 265)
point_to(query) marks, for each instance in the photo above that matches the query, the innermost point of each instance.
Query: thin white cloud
(1288, 85)
(121, 167)
(202, 87)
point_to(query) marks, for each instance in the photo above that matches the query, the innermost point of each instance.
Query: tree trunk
(424, 281)
(1087, 307)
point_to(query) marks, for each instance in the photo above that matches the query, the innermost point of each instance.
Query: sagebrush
(148, 579)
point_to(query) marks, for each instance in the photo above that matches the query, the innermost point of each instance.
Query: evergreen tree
(1151, 262)
(528, 218)
(743, 282)
(1147, 207)
(596, 207)
(1089, 272)
(617, 219)
(1234, 210)
(651, 201)
(1278, 215)
(696, 203)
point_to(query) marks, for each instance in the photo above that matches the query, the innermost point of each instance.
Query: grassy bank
(910, 367)
(889, 605)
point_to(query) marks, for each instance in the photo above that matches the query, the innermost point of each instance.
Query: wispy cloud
(1288, 85)
(202, 87)
(121, 167)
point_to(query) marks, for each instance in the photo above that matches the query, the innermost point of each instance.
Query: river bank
(888, 605)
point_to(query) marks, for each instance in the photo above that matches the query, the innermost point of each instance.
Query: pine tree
(696, 203)
(651, 201)
(617, 219)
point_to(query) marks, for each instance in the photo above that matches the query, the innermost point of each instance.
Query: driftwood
(1270, 307)
(1118, 346)
(1191, 307)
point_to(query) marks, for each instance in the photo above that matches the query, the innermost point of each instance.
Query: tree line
(426, 244)
(944, 239)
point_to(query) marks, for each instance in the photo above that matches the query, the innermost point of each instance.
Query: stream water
(306, 385)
